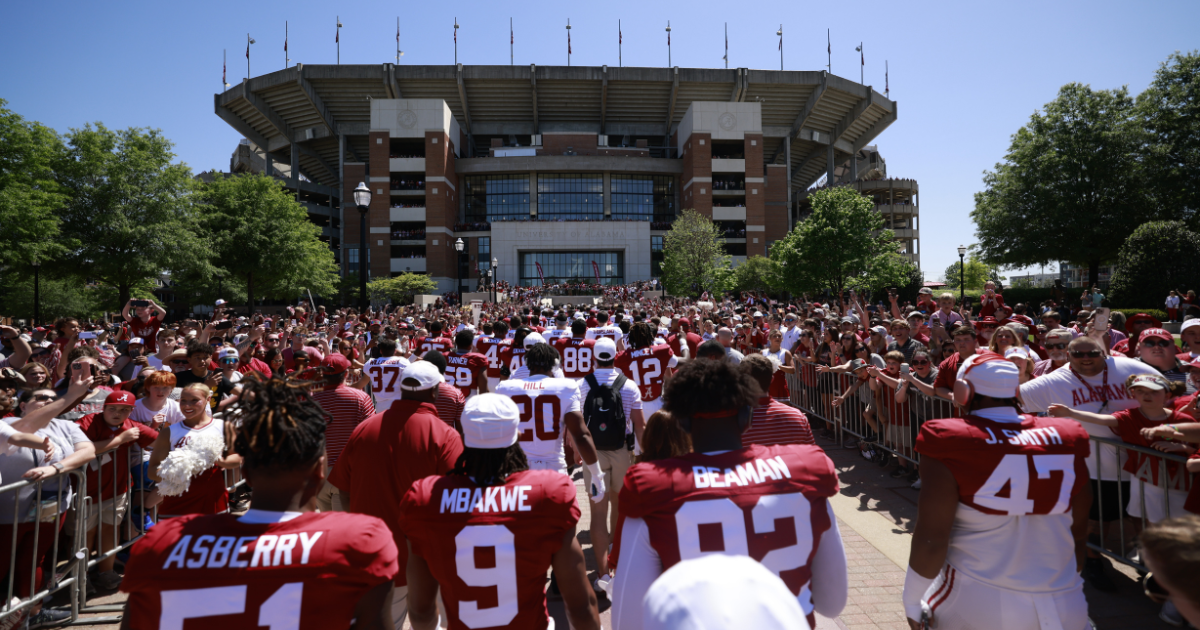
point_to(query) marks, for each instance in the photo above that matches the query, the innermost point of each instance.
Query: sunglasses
(1154, 590)
(1091, 354)
(229, 361)
(920, 362)
(1157, 343)
(1056, 346)
(989, 327)
(184, 362)
(45, 397)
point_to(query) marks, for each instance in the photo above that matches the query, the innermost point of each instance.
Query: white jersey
(543, 402)
(554, 333)
(180, 433)
(523, 372)
(385, 374)
(610, 331)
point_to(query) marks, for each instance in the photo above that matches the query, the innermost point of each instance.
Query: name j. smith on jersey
(1041, 436)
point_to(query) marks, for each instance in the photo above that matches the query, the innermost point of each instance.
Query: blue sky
(966, 75)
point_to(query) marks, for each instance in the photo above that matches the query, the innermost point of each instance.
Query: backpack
(603, 413)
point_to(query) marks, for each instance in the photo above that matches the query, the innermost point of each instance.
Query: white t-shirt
(610, 331)
(543, 401)
(385, 374)
(631, 395)
(523, 373)
(165, 417)
(1062, 386)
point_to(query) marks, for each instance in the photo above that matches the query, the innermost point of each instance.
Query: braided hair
(279, 425)
(490, 466)
(641, 336)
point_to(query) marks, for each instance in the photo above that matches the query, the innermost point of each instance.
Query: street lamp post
(491, 285)
(362, 199)
(459, 246)
(37, 298)
(962, 272)
(495, 279)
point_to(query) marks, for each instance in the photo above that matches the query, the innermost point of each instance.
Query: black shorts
(1105, 493)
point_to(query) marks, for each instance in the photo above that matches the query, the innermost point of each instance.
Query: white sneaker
(916, 485)
(603, 583)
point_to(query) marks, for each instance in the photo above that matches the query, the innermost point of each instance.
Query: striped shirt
(450, 403)
(776, 423)
(347, 407)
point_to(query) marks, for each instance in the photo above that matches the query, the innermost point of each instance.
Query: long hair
(490, 466)
(663, 438)
(279, 426)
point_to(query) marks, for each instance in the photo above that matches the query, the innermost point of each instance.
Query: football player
(647, 365)
(487, 531)
(466, 370)
(766, 502)
(576, 352)
(384, 370)
(490, 348)
(1001, 530)
(280, 564)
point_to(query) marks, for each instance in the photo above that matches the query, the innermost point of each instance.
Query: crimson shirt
(489, 548)
(347, 408)
(1130, 423)
(577, 358)
(646, 367)
(114, 464)
(215, 571)
(774, 423)
(148, 331)
(386, 454)
(464, 371)
(490, 348)
(672, 495)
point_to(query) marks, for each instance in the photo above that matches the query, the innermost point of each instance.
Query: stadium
(551, 173)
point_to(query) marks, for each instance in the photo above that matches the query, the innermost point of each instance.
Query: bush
(1158, 257)
(1156, 313)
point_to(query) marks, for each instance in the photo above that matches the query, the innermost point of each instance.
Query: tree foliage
(974, 276)
(261, 235)
(1154, 260)
(129, 216)
(841, 245)
(1071, 186)
(758, 273)
(1170, 113)
(401, 288)
(30, 195)
(693, 259)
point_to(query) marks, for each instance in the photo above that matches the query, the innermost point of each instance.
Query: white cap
(605, 350)
(137, 341)
(490, 421)
(721, 591)
(1017, 352)
(664, 320)
(1195, 321)
(579, 315)
(1150, 381)
(220, 302)
(994, 379)
(758, 314)
(227, 353)
(425, 373)
(239, 339)
(533, 338)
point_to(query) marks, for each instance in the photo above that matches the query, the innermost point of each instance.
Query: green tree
(401, 288)
(1071, 184)
(263, 237)
(841, 245)
(974, 277)
(758, 273)
(1150, 265)
(62, 296)
(30, 195)
(1170, 112)
(693, 259)
(129, 216)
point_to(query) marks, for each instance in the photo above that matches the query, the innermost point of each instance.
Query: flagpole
(727, 45)
(862, 63)
(828, 51)
(511, 39)
(780, 34)
(224, 65)
(620, 44)
(568, 41)
(456, 42)
(249, 40)
(286, 61)
(887, 90)
(399, 53)
(338, 40)
(668, 43)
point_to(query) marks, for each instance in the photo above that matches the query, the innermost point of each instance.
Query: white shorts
(958, 601)
(649, 407)
(110, 511)
(547, 463)
(1156, 508)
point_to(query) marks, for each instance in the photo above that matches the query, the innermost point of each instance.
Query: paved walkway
(875, 516)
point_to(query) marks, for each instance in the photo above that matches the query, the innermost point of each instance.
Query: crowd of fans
(407, 183)
(142, 389)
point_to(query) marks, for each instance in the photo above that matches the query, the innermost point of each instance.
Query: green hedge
(1156, 313)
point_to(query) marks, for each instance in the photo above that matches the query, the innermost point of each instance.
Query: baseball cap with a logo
(605, 349)
(121, 397)
(490, 421)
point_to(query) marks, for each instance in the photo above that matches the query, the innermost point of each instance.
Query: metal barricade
(36, 520)
(1155, 490)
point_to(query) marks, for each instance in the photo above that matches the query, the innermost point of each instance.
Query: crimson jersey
(464, 371)
(1017, 483)
(757, 501)
(441, 344)
(215, 571)
(513, 357)
(490, 348)
(576, 354)
(647, 367)
(489, 548)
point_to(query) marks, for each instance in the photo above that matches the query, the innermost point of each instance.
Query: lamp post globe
(362, 199)
(459, 246)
